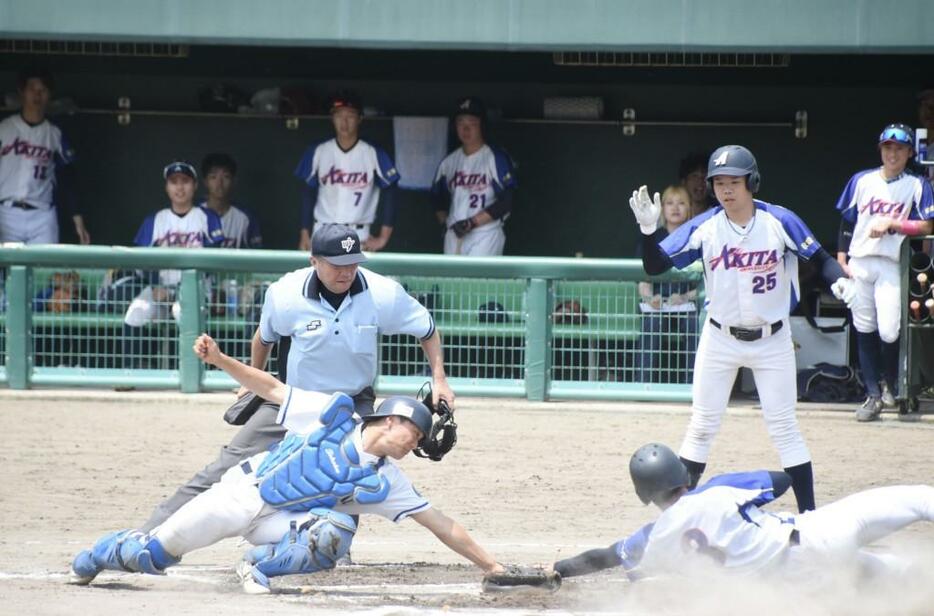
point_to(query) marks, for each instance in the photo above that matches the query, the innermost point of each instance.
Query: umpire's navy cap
(180, 166)
(337, 244)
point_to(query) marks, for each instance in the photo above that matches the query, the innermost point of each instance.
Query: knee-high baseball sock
(890, 364)
(695, 470)
(869, 351)
(802, 482)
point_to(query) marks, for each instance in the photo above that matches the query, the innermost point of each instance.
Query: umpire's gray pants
(256, 435)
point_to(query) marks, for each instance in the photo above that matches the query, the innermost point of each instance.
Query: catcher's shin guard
(125, 550)
(316, 545)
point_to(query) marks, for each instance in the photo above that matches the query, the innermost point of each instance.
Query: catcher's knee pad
(125, 550)
(313, 546)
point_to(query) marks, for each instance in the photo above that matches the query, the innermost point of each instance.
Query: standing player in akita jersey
(181, 225)
(750, 252)
(880, 206)
(473, 188)
(35, 169)
(720, 526)
(347, 180)
(241, 230)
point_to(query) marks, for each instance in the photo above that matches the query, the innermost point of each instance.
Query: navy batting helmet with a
(656, 471)
(734, 160)
(403, 406)
(898, 133)
(470, 105)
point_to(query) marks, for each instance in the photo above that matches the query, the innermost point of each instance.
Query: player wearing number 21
(750, 251)
(347, 180)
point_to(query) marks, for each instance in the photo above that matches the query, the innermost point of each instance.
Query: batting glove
(463, 227)
(844, 289)
(646, 210)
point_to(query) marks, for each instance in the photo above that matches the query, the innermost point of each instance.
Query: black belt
(794, 538)
(745, 334)
(23, 205)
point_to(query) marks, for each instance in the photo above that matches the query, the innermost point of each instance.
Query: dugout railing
(916, 344)
(535, 327)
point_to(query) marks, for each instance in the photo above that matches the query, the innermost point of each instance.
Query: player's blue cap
(180, 166)
(898, 133)
(337, 244)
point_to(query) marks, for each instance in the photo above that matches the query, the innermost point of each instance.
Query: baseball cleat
(83, 569)
(888, 399)
(252, 581)
(870, 410)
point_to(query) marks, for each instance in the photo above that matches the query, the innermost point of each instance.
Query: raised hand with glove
(647, 210)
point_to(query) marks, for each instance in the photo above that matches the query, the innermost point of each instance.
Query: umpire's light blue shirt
(336, 349)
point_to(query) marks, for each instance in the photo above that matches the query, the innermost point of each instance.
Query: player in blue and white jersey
(750, 252)
(241, 229)
(473, 188)
(347, 180)
(880, 207)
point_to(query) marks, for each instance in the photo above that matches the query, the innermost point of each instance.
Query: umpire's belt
(751, 333)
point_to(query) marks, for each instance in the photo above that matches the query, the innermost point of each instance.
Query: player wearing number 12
(750, 251)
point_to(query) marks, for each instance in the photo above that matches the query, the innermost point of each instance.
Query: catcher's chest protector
(321, 469)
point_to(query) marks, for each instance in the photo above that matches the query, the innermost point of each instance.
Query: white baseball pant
(145, 309)
(477, 243)
(39, 226)
(879, 304)
(772, 361)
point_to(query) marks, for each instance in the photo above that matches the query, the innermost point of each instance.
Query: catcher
(295, 502)
(721, 524)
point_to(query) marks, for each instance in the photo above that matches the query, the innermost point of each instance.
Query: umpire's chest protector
(321, 469)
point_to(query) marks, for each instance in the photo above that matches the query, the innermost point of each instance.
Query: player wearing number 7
(750, 252)
(347, 180)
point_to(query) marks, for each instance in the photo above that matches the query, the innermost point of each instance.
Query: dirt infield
(532, 482)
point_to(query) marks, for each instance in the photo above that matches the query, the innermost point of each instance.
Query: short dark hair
(218, 159)
(35, 72)
(694, 160)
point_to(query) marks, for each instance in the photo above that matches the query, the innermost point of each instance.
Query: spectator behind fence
(692, 174)
(347, 180)
(668, 307)
(473, 187)
(181, 225)
(36, 172)
(241, 229)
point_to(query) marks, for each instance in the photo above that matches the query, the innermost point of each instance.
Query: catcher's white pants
(478, 243)
(38, 226)
(772, 361)
(232, 507)
(879, 298)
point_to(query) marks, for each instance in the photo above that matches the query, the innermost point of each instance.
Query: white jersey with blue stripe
(718, 524)
(869, 196)
(300, 413)
(751, 273)
(348, 182)
(474, 182)
(241, 230)
(197, 228)
(29, 157)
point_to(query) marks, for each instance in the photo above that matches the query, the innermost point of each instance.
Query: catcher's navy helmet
(404, 406)
(656, 471)
(734, 160)
(898, 133)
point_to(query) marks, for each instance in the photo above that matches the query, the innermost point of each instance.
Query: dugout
(697, 75)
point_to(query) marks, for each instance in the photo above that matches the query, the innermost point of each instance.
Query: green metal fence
(512, 326)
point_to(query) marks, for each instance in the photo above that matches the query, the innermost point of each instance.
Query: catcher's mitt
(517, 575)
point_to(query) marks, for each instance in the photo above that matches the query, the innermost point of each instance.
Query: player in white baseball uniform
(880, 207)
(473, 188)
(347, 180)
(181, 225)
(36, 172)
(720, 525)
(331, 315)
(295, 501)
(241, 229)
(750, 252)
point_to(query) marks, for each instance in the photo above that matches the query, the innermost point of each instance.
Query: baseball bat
(915, 307)
(929, 305)
(923, 282)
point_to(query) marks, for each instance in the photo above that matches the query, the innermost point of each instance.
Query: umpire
(332, 314)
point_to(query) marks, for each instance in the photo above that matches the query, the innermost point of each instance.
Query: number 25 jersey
(751, 273)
